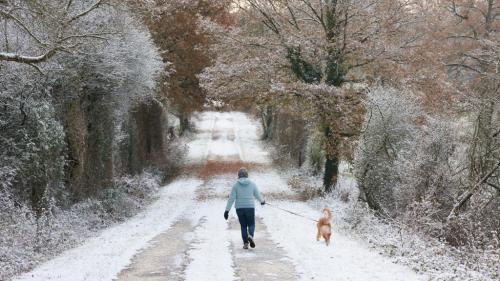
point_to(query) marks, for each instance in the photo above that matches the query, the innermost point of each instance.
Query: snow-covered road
(183, 235)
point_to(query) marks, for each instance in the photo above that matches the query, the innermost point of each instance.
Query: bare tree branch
(462, 199)
(319, 16)
(496, 133)
(38, 69)
(69, 5)
(23, 26)
(463, 66)
(89, 35)
(90, 9)
(293, 22)
(6, 36)
(28, 59)
(493, 185)
(454, 10)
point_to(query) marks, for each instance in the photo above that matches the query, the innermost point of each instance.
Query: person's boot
(252, 243)
(245, 246)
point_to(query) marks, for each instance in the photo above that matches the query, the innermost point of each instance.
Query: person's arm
(256, 194)
(231, 199)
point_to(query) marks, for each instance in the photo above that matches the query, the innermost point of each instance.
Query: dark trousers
(246, 216)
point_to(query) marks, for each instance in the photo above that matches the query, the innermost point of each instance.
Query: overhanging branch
(90, 9)
(468, 194)
(13, 57)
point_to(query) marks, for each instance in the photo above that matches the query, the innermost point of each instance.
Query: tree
(61, 126)
(472, 27)
(325, 46)
(45, 28)
(185, 47)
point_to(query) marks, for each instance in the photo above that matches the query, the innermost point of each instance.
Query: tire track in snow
(165, 259)
(266, 262)
(209, 254)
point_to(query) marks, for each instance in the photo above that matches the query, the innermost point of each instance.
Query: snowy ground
(102, 257)
(183, 236)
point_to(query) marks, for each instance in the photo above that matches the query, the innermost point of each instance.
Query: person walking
(244, 191)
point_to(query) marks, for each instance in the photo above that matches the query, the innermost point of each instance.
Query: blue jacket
(244, 191)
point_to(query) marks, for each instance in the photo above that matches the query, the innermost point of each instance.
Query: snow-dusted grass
(104, 256)
(24, 242)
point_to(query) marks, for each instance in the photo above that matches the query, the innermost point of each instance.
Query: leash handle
(293, 213)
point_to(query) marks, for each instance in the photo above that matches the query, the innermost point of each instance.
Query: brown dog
(325, 226)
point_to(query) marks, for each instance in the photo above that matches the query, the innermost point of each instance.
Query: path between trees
(183, 236)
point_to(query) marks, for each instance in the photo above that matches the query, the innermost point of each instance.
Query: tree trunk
(331, 172)
(373, 203)
(147, 138)
(366, 194)
(184, 125)
(462, 199)
(267, 122)
(332, 160)
(301, 157)
(76, 127)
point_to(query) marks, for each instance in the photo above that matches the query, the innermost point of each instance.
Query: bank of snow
(104, 256)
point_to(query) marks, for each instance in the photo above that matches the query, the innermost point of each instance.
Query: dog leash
(293, 213)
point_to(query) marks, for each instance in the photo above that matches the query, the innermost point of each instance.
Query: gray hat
(243, 173)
